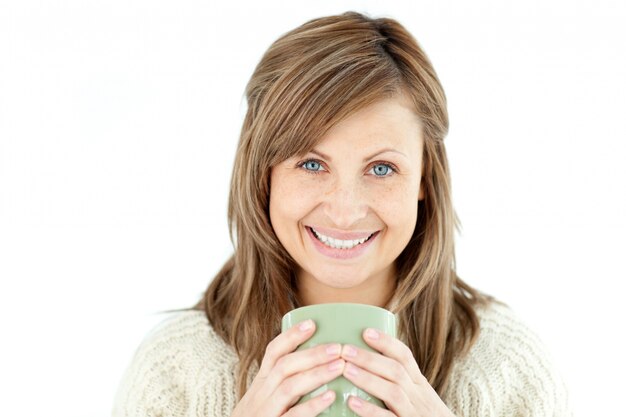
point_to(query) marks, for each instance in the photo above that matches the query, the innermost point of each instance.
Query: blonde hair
(308, 80)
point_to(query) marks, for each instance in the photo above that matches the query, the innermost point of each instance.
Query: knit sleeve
(509, 372)
(180, 369)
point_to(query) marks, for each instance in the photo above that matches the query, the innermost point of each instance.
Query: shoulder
(500, 327)
(508, 371)
(180, 358)
(188, 334)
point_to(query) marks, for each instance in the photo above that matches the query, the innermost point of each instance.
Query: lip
(340, 253)
(342, 235)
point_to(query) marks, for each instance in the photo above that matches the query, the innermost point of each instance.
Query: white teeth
(337, 243)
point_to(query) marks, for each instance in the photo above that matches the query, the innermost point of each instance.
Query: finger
(393, 395)
(378, 364)
(312, 407)
(367, 409)
(394, 349)
(285, 343)
(293, 388)
(296, 362)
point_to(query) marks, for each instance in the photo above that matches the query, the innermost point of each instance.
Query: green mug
(342, 323)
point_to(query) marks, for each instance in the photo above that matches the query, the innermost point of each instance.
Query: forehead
(393, 121)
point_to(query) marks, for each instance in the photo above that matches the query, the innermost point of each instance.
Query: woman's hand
(284, 376)
(393, 377)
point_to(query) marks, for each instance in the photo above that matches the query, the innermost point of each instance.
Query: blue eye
(312, 165)
(381, 170)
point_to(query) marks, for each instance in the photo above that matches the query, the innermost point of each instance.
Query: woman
(341, 193)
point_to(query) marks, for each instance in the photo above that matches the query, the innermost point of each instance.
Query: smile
(338, 243)
(337, 248)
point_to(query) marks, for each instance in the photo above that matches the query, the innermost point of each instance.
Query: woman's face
(363, 178)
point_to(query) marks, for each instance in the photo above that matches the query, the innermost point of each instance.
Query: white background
(118, 126)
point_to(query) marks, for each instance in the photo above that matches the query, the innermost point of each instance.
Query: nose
(345, 205)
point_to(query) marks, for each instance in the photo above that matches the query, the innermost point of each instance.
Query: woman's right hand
(284, 376)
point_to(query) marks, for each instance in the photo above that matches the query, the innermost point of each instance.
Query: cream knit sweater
(182, 368)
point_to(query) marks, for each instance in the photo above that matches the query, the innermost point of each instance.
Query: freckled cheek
(396, 206)
(292, 200)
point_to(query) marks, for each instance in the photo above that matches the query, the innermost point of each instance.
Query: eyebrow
(367, 158)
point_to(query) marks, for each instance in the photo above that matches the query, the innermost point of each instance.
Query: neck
(376, 291)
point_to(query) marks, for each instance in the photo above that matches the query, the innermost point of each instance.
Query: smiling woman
(341, 193)
(367, 186)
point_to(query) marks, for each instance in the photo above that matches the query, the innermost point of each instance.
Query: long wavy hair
(308, 80)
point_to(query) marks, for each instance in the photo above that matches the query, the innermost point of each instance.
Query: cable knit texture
(183, 369)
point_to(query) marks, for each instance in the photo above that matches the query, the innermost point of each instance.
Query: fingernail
(335, 365)
(333, 349)
(305, 325)
(328, 395)
(350, 351)
(371, 334)
(351, 369)
(356, 402)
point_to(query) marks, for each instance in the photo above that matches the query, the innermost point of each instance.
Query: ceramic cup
(342, 323)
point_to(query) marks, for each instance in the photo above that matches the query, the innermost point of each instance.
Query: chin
(340, 281)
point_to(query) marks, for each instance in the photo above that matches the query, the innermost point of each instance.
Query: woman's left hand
(393, 377)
